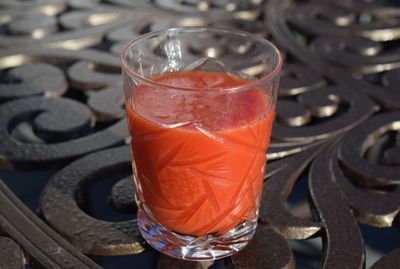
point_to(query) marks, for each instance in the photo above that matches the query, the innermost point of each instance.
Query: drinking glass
(200, 104)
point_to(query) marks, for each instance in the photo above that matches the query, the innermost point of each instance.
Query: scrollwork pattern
(336, 133)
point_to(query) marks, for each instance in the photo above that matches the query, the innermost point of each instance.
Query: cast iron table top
(331, 197)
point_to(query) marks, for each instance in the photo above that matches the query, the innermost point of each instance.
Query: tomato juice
(199, 154)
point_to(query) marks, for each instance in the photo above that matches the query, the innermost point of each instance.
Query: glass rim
(249, 84)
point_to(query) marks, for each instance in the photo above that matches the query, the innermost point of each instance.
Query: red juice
(199, 154)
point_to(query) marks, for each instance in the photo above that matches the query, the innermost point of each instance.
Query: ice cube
(214, 65)
(208, 64)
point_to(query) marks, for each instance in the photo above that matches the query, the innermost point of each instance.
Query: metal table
(331, 197)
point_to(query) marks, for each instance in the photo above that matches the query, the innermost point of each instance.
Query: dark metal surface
(267, 243)
(334, 158)
(276, 191)
(122, 195)
(343, 244)
(60, 201)
(60, 130)
(11, 256)
(45, 247)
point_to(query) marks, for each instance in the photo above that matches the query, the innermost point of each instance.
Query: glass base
(204, 248)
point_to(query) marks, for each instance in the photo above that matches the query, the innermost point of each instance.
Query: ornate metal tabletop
(331, 196)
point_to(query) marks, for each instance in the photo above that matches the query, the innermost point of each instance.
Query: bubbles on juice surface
(202, 104)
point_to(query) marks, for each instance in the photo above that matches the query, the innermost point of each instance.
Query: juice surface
(199, 155)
